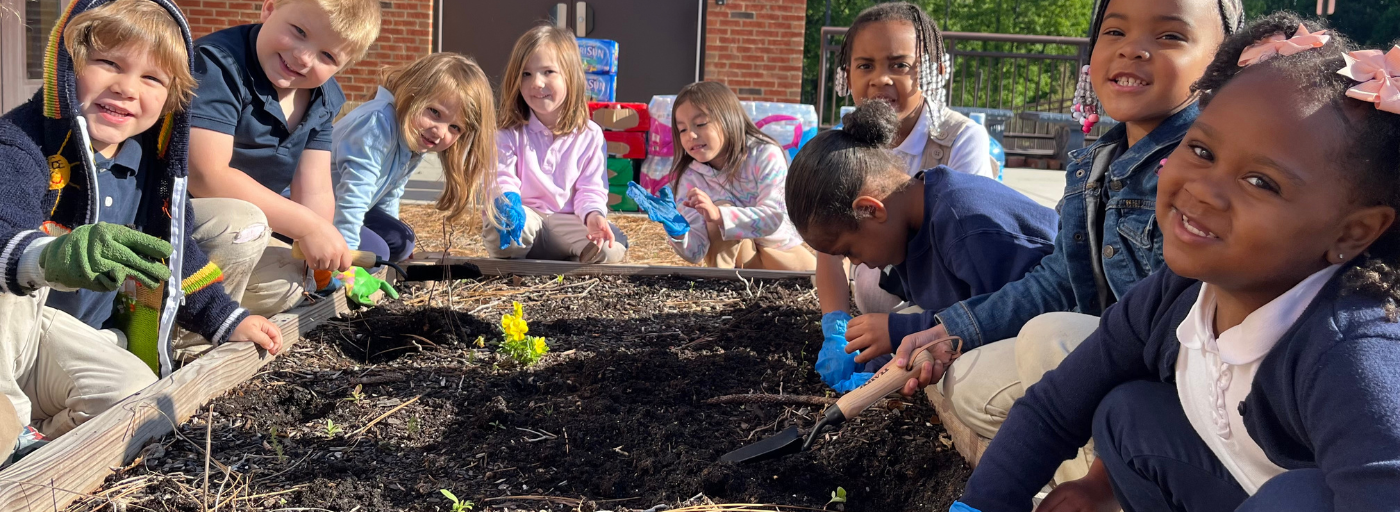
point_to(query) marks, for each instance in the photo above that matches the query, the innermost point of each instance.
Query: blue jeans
(1158, 463)
(387, 237)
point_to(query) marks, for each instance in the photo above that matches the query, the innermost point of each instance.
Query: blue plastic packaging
(599, 56)
(600, 87)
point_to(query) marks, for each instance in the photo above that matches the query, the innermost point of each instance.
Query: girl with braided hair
(893, 52)
(1257, 371)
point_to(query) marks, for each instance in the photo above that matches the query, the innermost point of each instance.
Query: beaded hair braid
(932, 79)
(1086, 102)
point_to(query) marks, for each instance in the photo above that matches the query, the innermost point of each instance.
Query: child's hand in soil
(260, 331)
(870, 334)
(1093, 493)
(599, 232)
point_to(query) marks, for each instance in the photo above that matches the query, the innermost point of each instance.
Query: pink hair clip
(1379, 74)
(1277, 44)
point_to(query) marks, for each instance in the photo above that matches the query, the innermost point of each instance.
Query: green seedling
(457, 505)
(559, 279)
(837, 496)
(332, 429)
(413, 425)
(498, 424)
(357, 394)
(277, 447)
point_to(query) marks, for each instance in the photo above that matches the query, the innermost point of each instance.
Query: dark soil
(612, 418)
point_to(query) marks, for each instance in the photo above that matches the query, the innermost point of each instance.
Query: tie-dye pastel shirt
(755, 189)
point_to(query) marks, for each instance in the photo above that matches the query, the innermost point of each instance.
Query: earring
(1341, 257)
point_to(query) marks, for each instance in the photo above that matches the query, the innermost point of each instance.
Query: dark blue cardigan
(1327, 396)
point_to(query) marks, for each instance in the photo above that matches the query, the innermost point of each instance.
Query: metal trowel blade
(782, 443)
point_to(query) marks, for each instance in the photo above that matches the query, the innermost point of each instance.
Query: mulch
(382, 410)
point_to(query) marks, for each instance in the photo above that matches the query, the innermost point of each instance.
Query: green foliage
(457, 505)
(837, 496)
(332, 429)
(526, 351)
(1371, 23)
(357, 394)
(277, 446)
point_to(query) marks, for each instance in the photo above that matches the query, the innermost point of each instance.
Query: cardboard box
(620, 117)
(600, 87)
(618, 200)
(629, 145)
(599, 56)
(620, 171)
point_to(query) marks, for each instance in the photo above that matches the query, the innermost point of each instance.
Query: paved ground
(1045, 187)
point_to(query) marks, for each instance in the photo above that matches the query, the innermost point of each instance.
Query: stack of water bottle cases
(639, 146)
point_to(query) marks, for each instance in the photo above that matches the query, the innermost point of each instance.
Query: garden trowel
(888, 380)
(414, 272)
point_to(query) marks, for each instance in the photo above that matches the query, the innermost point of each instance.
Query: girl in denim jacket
(1146, 55)
(440, 104)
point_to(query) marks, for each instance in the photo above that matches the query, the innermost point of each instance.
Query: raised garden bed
(612, 418)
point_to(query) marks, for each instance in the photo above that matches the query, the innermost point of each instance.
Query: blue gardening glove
(660, 209)
(834, 365)
(511, 215)
(959, 506)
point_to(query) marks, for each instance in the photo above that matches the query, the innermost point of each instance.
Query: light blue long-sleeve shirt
(370, 164)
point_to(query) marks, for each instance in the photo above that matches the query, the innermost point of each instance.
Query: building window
(39, 18)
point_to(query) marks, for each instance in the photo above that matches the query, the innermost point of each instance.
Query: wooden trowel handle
(888, 380)
(363, 259)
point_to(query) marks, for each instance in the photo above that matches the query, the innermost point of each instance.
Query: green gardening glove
(364, 284)
(101, 256)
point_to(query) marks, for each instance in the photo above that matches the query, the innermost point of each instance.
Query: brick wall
(406, 34)
(755, 47)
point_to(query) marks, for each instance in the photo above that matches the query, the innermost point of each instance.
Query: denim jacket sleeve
(999, 315)
(359, 158)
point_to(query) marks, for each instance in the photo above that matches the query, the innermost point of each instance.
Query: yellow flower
(514, 325)
(519, 311)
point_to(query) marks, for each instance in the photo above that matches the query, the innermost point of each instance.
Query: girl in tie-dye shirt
(730, 178)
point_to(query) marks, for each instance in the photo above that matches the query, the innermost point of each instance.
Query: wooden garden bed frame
(75, 464)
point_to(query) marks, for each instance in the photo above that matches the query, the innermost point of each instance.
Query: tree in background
(1373, 23)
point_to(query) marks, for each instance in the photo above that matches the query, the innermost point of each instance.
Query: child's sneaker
(29, 440)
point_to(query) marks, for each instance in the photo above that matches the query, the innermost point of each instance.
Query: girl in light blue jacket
(441, 103)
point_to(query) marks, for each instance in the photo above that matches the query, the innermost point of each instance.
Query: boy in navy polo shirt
(94, 205)
(261, 125)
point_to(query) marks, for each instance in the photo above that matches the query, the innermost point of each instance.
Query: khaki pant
(981, 386)
(746, 253)
(234, 234)
(558, 236)
(869, 296)
(57, 371)
(10, 427)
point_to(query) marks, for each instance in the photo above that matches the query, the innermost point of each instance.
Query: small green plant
(837, 496)
(412, 425)
(457, 505)
(332, 429)
(277, 447)
(559, 279)
(356, 395)
(526, 350)
(497, 424)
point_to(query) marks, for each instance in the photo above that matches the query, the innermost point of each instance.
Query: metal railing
(997, 71)
(1026, 83)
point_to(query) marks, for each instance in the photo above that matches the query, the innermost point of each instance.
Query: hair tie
(1379, 74)
(1276, 45)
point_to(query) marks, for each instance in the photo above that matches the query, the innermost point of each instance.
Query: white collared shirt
(1213, 376)
(971, 149)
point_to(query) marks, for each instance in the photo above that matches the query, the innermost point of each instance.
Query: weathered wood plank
(499, 267)
(75, 464)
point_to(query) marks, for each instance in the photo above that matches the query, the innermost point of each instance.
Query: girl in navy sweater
(1259, 370)
(949, 235)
